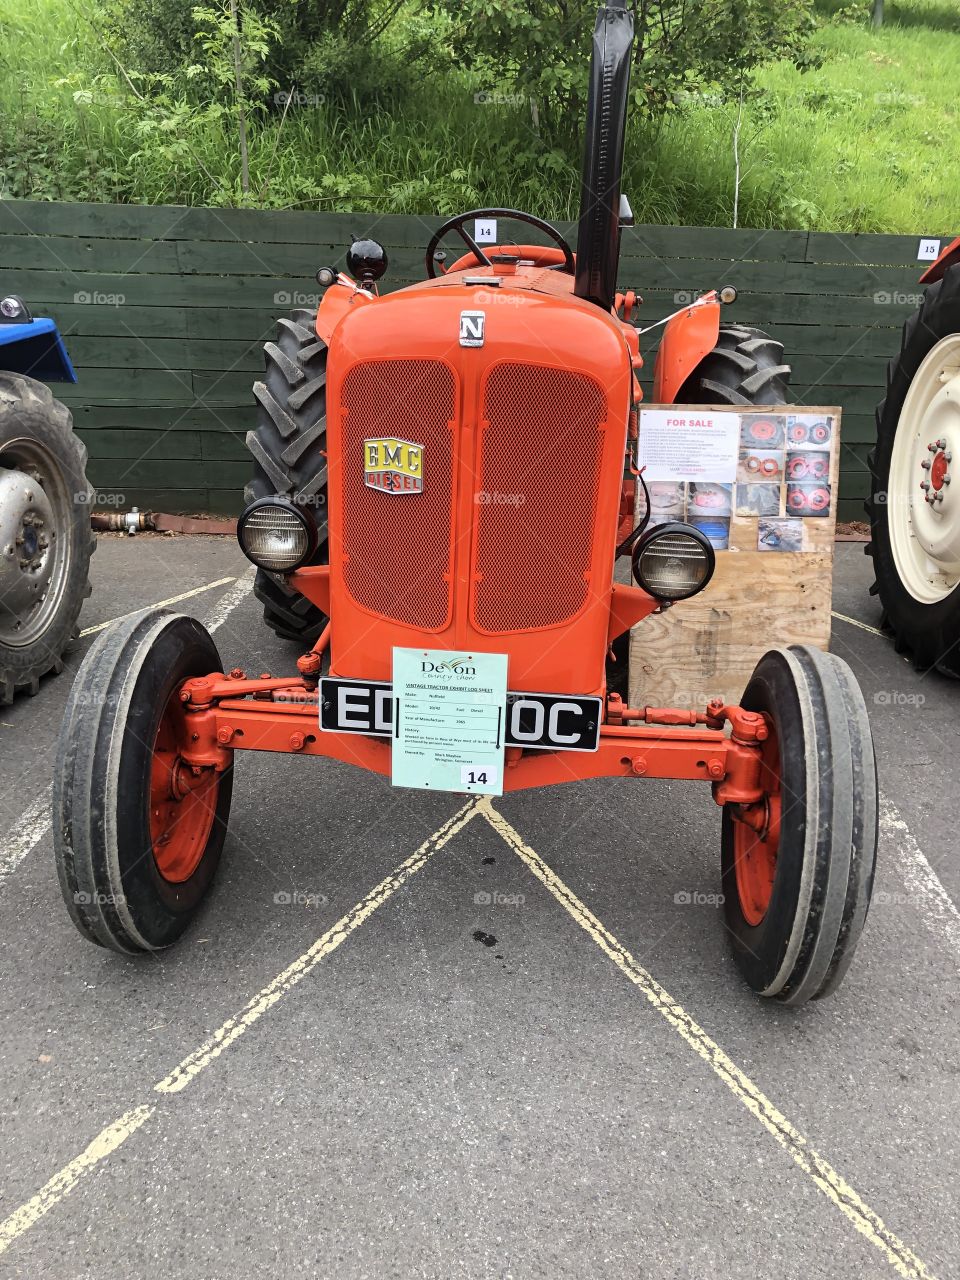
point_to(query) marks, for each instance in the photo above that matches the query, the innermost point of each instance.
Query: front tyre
(797, 883)
(137, 835)
(914, 504)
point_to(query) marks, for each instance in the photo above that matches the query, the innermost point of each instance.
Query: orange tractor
(444, 481)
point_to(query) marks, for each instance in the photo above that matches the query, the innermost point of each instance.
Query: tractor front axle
(230, 713)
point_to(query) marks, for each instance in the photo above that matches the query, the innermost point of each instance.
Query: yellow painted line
(62, 1183)
(824, 1177)
(106, 1142)
(159, 604)
(862, 625)
(234, 1027)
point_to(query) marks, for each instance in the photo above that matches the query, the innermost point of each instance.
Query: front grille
(397, 547)
(537, 496)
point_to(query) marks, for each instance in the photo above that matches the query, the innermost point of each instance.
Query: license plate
(543, 721)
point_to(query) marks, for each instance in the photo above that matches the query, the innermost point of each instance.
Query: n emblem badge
(472, 324)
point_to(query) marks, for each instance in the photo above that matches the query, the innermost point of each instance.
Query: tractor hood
(475, 476)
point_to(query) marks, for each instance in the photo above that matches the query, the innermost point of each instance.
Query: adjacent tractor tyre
(745, 367)
(137, 836)
(915, 530)
(796, 891)
(288, 453)
(45, 537)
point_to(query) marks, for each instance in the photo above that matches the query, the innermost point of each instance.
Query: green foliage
(680, 45)
(856, 141)
(308, 46)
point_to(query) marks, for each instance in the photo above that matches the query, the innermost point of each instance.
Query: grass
(859, 142)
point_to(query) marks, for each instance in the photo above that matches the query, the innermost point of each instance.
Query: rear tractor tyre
(288, 453)
(914, 509)
(45, 538)
(796, 892)
(745, 367)
(137, 836)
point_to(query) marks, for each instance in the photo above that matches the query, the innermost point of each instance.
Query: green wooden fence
(165, 310)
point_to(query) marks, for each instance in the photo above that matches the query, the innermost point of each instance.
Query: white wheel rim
(923, 505)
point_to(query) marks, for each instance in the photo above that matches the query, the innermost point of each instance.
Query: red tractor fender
(687, 338)
(949, 256)
(336, 303)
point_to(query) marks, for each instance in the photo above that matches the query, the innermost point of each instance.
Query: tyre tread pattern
(746, 367)
(287, 450)
(18, 395)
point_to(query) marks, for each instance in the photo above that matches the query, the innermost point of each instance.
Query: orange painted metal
(503, 542)
(522, 480)
(673, 744)
(687, 338)
(628, 605)
(756, 836)
(183, 802)
(947, 258)
(338, 302)
(539, 254)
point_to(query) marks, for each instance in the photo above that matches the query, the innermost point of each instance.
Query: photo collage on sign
(782, 479)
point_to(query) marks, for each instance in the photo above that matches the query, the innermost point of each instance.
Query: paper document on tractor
(688, 444)
(449, 720)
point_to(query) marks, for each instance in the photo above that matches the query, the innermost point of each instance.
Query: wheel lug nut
(926, 464)
(924, 485)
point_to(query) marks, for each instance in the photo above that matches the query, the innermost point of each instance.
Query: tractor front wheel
(798, 869)
(137, 833)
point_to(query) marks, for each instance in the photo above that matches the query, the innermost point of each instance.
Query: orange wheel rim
(182, 805)
(755, 851)
(764, 430)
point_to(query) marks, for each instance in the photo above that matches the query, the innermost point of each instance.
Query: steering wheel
(458, 224)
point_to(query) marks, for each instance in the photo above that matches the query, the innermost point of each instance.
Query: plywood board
(759, 598)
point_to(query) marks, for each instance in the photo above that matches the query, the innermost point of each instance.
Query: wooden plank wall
(165, 310)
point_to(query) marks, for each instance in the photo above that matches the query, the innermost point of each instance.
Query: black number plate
(546, 721)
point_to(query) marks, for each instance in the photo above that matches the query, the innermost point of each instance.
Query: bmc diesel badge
(393, 466)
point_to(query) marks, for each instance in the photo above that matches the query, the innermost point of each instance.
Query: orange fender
(949, 256)
(687, 338)
(336, 303)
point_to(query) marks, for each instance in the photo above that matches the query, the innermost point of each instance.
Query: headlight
(277, 535)
(673, 561)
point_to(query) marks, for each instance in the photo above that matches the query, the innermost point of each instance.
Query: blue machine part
(35, 349)
(717, 531)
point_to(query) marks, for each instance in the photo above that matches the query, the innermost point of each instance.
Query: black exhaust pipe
(598, 236)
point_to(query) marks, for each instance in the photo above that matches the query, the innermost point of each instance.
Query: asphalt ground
(529, 1054)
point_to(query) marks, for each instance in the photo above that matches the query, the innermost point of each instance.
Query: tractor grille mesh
(397, 547)
(540, 467)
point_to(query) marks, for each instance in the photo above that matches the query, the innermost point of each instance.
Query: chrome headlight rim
(654, 534)
(305, 517)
